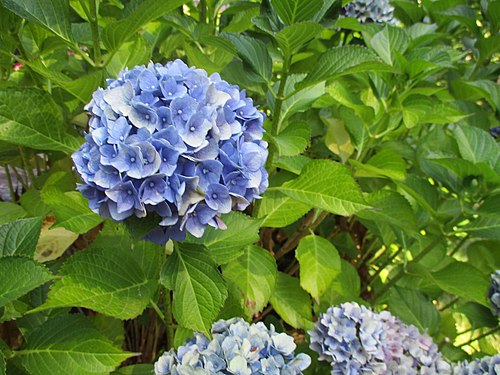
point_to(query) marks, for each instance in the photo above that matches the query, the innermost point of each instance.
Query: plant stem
(449, 304)
(459, 245)
(94, 6)
(27, 167)
(385, 264)
(157, 309)
(203, 11)
(169, 320)
(9, 182)
(490, 332)
(401, 273)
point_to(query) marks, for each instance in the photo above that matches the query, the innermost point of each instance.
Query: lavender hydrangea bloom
(171, 142)
(356, 340)
(378, 11)
(483, 366)
(494, 293)
(236, 348)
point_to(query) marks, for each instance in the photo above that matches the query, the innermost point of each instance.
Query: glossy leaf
(69, 344)
(254, 273)
(20, 237)
(388, 41)
(199, 290)
(293, 37)
(40, 127)
(291, 11)
(291, 302)
(319, 264)
(327, 185)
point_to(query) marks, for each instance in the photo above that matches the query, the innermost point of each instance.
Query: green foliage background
(384, 179)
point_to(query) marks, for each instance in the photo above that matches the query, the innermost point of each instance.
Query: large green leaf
(293, 140)
(252, 51)
(412, 307)
(10, 211)
(344, 60)
(118, 32)
(291, 11)
(51, 14)
(199, 290)
(71, 210)
(19, 275)
(142, 369)
(293, 37)
(319, 264)
(254, 273)
(135, 52)
(2, 363)
(476, 145)
(69, 344)
(484, 227)
(391, 208)
(463, 280)
(224, 245)
(30, 117)
(388, 41)
(385, 163)
(20, 237)
(291, 302)
(109, 281)
(327, 185)
(279, 210)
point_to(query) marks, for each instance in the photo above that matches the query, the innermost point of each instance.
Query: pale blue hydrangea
(356, 340)
(480, 366)
(237, 348)
(172, 142)
(378, 11)
(494, 293)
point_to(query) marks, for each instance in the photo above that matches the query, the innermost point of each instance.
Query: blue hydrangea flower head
(480, 366)
(378, 11)
(357, 340)
(172, 142)
(237, 348)
(494, 293)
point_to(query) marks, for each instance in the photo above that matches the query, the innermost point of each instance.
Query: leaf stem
(490, 332)
(459, 245)
(94, 6)
(9, 182)
(169, 320)
(157, 309)
(27, 167)
(401, 273)
(449, 304)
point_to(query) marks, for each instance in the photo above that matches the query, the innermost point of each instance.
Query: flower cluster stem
(169, 320)
(94, 4)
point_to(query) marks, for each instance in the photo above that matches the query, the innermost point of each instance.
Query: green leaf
(51, 14)
(199, 290)
(19, 275)
(345, 288)
(327, 185)
(293, 164)
(118, 32)
(415, 107)
(319, 264)
(484, 227)
(294, 139)
(293, 37)
(479, 316)
(391, 208)
(340, 61)
(2, 364)
(30, 117)
(10, 212)
(385, 163)
(279, 210)
(224, 245)
(254, 273)
(109, 281)
(291, 302)
(142, 369)
(292, 11)
(412, 307)
(337, 138)
(69, 344)
(252, 51)
(389, 40)
(112, 328)
(476, 145)
(463, 280)
(135, 52)
(20, 237)
(81, 88)
(71, 210)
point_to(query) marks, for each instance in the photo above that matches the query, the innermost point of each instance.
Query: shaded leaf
(20, 237)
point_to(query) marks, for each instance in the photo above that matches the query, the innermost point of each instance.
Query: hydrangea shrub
(356, 340)
(378, 11)
(173, 142)
(237, 347)
(489, 365)
(494, 293)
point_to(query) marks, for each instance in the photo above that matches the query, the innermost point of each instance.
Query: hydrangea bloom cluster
(483, 366)
(494, 293)
(379, 11)
(356, 340)
(236, 348)
(174, 142)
